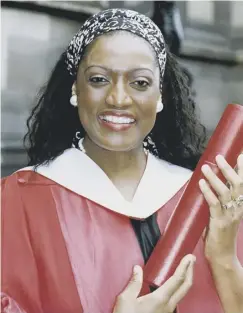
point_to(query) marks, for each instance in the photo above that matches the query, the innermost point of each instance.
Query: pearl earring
(74, 100)
(159, 106)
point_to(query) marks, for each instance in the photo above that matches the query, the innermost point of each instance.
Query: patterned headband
(111, 20)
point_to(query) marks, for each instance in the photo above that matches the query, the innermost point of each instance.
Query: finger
(183, 289)
(205, 233)
(134, 286)
(228, 172)
(174, 282)
(213, 202)
(240, 166)
(219, 187)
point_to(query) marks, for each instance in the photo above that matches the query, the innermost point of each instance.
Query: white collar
(75, 171)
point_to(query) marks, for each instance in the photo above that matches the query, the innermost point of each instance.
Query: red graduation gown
(65, 253)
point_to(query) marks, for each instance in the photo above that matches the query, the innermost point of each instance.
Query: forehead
(120, 48)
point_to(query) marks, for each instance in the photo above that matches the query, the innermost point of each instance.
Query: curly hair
(178, 134)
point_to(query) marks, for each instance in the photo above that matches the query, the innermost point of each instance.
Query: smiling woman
(117, 88)
(111, 142)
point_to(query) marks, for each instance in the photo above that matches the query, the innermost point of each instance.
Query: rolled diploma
(191, 214)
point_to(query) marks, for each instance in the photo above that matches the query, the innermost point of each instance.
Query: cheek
(89, 100)
(83, 118)
(147, 111)
(150, 117)
(86, 109)
(148, 106)
(85, 100)
(94, 96)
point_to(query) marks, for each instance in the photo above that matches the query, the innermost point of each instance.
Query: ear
(160, 105)
(74, 98)
(74, 88)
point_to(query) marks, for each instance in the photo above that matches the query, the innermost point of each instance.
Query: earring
(78, 142)
(74, 100)
(76, 139)
(149, 145)
(78, 135)
(160, 106)
(145, 146)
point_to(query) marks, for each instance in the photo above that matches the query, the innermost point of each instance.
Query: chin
(118, 145)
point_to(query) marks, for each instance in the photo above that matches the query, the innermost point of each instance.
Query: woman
(108, 163)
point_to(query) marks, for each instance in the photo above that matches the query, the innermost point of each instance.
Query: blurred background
(207, 37)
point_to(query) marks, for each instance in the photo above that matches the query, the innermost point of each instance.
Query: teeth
(116, 119)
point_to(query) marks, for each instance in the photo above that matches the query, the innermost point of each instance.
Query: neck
(118, 165)
(114, 163)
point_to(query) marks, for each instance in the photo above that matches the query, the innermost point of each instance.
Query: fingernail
(205, 167)
(201, 181)
(220, 160)
(136, 269)
(219, 157)
(192, 259)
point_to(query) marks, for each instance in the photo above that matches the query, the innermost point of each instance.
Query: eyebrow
(108, 69)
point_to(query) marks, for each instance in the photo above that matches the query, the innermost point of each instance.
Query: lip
(118, 114)
(115, 126)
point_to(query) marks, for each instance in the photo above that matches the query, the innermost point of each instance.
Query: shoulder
(173, 170)
(176, 169)
(25, 194)
(24, 177)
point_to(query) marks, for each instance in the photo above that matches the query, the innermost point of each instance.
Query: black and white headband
(111, 20)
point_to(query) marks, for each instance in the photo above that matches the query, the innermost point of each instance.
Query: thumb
(204, 234)
(134, 286)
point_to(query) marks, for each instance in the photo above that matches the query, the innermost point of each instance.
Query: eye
(141, 84)
(98, 80)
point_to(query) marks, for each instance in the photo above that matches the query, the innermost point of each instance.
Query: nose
(118, 96)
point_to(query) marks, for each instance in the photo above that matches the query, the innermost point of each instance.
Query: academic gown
(70, 240)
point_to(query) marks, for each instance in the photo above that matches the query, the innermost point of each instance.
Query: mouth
(117, 122)
(117, 119)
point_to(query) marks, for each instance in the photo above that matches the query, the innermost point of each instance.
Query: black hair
(178, 135)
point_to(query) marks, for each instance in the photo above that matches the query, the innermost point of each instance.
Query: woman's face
(118, 90)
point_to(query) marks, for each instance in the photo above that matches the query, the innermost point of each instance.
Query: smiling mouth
(122, 120)
(117, 123)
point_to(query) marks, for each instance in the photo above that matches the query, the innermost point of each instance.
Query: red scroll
(191, 215)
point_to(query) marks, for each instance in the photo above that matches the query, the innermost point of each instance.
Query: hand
(9, 305)
(162, 300)
(224, 221)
